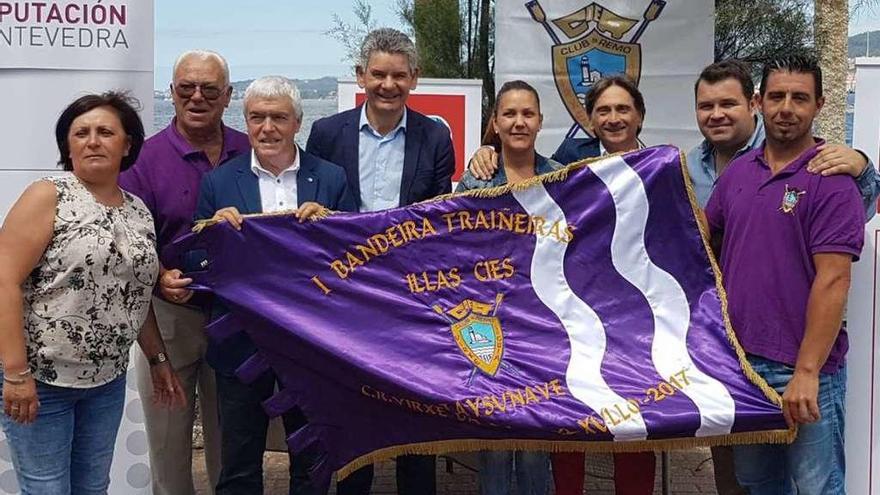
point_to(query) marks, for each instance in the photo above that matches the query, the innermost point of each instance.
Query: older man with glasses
(166, 177)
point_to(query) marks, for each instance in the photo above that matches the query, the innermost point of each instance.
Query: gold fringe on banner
(473, 445)
(750, 373)
(476, 445)
(491, 192)
(201, 224)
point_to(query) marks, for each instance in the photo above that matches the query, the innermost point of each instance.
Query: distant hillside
(859, 43)
(310, 89)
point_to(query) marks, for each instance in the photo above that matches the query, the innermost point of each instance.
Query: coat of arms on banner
(596, 45)
(477, 332)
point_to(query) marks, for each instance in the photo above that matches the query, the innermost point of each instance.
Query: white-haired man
(166, 177)
(275, 176)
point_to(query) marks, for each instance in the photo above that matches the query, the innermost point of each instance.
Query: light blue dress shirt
(701, 163)
(380, 164)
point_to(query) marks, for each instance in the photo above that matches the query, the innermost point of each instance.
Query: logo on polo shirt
(790, 199)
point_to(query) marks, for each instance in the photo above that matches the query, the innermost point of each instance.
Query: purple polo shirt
(767, 253)
(167, 176)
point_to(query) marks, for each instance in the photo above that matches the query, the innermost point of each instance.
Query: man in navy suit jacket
(275, 176)
(392, 156)
(428, 157)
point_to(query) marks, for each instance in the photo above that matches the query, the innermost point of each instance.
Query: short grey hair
(388, 40)
(273, 87)
(203, 55)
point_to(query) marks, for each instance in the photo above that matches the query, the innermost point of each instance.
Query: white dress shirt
(277, 193)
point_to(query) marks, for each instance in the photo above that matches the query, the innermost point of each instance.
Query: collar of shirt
(707, 151)
(365, 123)
(184, 149)
(794, 165)
(258, 169)
(542, 166)
(233, 145)
(604, 152)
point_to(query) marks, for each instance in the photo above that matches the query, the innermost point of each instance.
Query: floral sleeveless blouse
(85, 301)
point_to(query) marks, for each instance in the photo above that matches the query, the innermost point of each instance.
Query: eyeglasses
(187, 90)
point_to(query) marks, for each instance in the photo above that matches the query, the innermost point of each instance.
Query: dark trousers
(568, 473)
(243, 426)
(633, 473)
(416, 475)
(725, 477)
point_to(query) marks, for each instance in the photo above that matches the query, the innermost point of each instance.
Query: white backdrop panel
(35, 98)
(675, 47)
(863, 310)
(77, 34)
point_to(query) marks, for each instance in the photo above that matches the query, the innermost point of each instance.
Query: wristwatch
(157, 359)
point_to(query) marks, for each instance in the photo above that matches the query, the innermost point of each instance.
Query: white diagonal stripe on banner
(586, 333)
(664, 294)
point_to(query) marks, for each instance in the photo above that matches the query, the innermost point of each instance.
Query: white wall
(863, 312)
(41, 71)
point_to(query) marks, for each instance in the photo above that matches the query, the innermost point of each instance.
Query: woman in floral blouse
(79, 264)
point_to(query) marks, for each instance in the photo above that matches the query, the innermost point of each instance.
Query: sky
(867, 19)
(259, 37)
(285, 37)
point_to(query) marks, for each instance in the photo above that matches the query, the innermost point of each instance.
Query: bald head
(202, 57)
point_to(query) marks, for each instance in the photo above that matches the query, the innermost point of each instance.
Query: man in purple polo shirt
(166, 177)
(789, 239)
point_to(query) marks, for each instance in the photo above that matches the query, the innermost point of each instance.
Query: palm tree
(831, 24)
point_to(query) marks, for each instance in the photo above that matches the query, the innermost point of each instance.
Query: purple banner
(578, 312)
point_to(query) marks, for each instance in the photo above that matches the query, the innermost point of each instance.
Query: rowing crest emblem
(595, 46)
(477, 331)
(790, 199)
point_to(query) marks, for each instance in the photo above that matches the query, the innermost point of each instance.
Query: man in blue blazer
(392, 156)
(275, 176)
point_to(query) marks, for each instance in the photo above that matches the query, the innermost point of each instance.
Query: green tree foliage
(437, 25)
(351, 35)
(759, 30)
(459, 45)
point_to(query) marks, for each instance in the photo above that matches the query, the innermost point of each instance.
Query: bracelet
(21, 377)
(13, 381)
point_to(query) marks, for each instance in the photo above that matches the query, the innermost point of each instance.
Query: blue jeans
(243, 428)
(532, 472)
(815, 463)
(69, 448)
